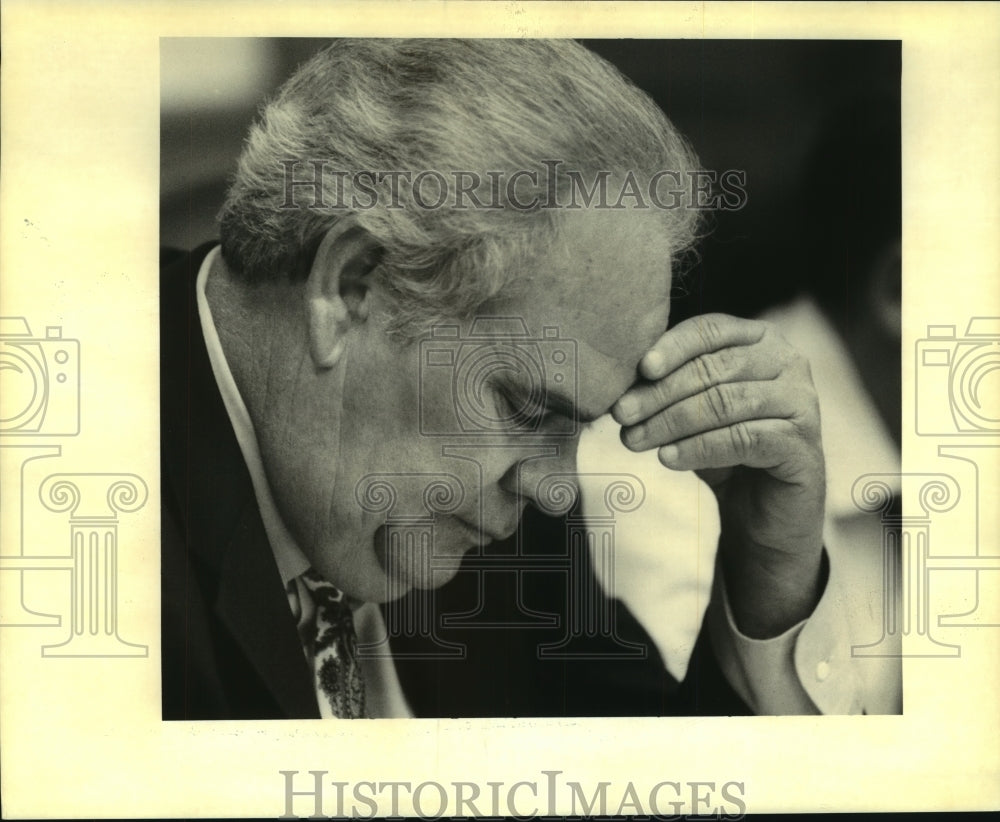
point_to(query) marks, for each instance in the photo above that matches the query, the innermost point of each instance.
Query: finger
(767, 444)
(735, 363)
(718, 407)
(697, 335)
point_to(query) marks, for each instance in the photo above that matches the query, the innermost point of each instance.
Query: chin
(407, 562)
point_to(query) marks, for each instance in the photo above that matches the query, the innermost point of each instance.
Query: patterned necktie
(332, 645)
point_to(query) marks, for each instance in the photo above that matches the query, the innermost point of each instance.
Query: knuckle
(742, 439)
(810, 399)
(715, 367)
(796, 372)
(787, 366)
(767, 328)
(775, 340)
(790, 358)
(789, 429)
(662, 428)
(804, 367)
(702, 449)
(704, 370)
(723, 362)
(710, 329)
(806, 423)
(794, 435)
(720, 402)
(710, 403)
(661, 394)
(770, 333)
(790, 354)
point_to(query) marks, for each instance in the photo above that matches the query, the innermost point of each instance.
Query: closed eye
(545, 410)
(526, 413)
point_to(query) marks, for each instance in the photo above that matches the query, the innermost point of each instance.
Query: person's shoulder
(170, 256)
(173, 258)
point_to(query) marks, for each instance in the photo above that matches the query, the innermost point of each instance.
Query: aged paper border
(81, 737)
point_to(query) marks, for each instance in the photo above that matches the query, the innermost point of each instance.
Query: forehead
(602, 267)
(604, 283)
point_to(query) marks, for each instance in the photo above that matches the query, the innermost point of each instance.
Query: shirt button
(822, 670)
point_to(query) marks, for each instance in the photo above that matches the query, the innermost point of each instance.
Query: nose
(546, 477)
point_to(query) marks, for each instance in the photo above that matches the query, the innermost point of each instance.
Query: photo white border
(79, 216)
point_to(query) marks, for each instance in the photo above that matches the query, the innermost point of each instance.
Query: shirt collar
(287, 554)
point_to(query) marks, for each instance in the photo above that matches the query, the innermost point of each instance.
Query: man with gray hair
(442, 262)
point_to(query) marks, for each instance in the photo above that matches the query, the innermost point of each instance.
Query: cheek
(381, 439)
(380, 396)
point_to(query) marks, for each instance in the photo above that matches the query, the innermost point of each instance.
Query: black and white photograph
(452, 293)
(498, 409)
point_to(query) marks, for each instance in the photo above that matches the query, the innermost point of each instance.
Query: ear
(338, 289)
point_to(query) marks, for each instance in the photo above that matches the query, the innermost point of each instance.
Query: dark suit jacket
(499, 645)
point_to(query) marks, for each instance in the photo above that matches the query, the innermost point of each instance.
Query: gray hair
(441, 104)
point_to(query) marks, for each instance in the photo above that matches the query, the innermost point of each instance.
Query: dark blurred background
(814, 124)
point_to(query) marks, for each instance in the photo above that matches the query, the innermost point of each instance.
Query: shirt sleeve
(817, 666)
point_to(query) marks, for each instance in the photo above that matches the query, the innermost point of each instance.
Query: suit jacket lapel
(214, 496)
(252, 603)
